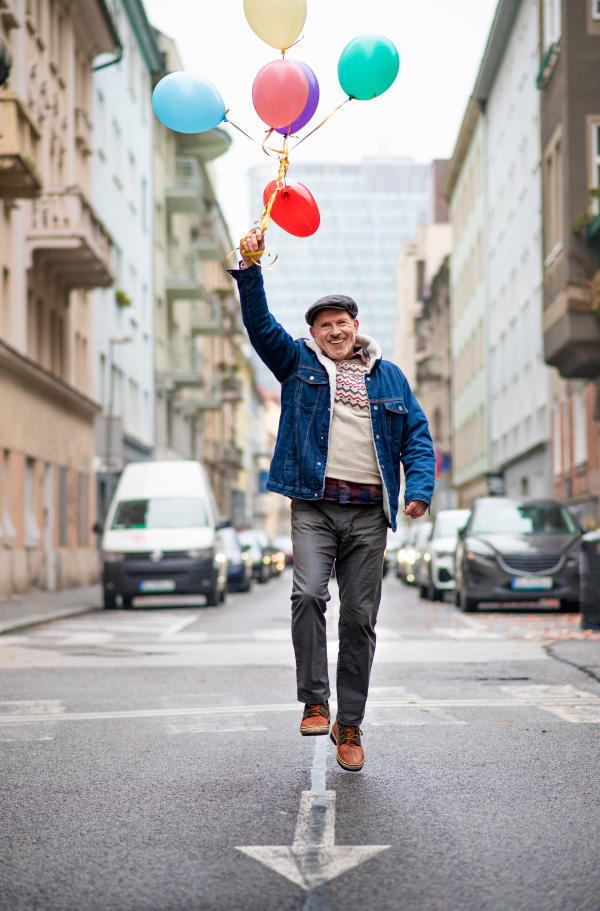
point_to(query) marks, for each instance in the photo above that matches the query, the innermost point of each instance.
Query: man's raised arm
(274, 346)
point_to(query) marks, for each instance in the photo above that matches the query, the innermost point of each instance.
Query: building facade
(54, 250)
(122, 189)
(465, 190)
(202, 367)
(569, 91)
(519, 377)
(384, 201)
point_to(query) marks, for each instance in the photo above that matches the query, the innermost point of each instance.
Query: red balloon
(294, 209)
(280, 93)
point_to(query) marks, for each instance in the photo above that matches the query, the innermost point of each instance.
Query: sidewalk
(35, 607)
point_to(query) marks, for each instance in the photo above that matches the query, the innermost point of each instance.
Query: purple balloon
(311, 104)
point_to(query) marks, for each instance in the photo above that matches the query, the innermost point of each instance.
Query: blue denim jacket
(307, 377)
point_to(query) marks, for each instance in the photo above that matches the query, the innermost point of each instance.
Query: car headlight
(245, 556)
(266, 560)
(220, 558)
(401, 556)
(112, 556)
(427, 557)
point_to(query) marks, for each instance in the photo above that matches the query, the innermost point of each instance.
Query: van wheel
(467, 605)
(223, 595)
(212, 597)
(110, 601)
(422, 591)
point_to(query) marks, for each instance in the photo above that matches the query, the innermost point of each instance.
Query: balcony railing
(205, 238)
(66, 233)
(179, 365)
(20, 141)
(184, 190)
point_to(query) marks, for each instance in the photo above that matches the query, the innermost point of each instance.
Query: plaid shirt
(349, 492)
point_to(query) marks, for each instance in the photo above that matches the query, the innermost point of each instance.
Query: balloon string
(251, 138)
(284, 49)
(265, 215)
(323, 123)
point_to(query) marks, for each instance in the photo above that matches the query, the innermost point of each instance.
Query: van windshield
(162, 512)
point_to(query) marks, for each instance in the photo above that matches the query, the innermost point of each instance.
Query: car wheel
(127, 602)
(110, 601)
(467, 605)
(422, 591)
(223, 595)
(212, 597)
(569, 607)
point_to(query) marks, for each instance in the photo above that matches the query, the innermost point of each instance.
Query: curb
(33, 619)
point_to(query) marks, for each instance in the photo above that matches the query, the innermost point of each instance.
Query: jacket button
(377, 437)
(375, 407)
(316, 495)
(311, 377)
(318, 463)
(368, 379)
(321, 437)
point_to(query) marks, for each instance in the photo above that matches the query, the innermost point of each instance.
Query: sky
(440, 46)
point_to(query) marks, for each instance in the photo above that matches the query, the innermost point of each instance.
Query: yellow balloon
(277, 22)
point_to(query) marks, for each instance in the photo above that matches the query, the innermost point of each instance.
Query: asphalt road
(151, 761)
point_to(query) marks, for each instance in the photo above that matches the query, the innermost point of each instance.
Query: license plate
(532, 583)
(158, 585)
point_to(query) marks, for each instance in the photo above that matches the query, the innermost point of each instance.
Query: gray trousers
(354, 536)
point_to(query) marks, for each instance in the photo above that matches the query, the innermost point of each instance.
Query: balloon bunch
(285, 94)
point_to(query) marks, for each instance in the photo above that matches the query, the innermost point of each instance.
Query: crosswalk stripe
(295, 706)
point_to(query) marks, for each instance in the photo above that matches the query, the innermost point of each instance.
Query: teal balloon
(368, 66)
(187, 103)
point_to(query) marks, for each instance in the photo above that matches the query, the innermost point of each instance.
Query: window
(553, 193)
(102, 381)
(101, 124)
(134, 407)
(63, 507)
(580, 449)
(7, 525)
(556, 442)
(118, 155)
(595, 9)
(161, 512)
(552, 24)
(83, 510)
(420, 279)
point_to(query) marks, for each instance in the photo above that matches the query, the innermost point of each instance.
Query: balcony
(209, 398)
(232, 389)
(66, 235)
(184, 283)
(223, 455)
(205, 238)
(179, 366)
(20, 141)
(572, 345)
(429, 369)
(184, 192)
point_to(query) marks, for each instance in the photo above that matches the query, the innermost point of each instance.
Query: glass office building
(368, 211)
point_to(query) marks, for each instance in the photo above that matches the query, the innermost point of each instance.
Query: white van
(161, 535)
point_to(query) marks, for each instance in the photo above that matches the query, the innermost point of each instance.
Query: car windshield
(523, 519)
(254, 536)
(449, 525)
(165, 512)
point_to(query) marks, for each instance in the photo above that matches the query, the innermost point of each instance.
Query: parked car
(436, 568)
(420, 546)
(284, 545)
(261, 571)
(271, 557)
(518, 550)
(239, 565)
(406, 556)
(161, 535)
(395, 540)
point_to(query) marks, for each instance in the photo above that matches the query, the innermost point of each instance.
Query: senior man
(348, 418)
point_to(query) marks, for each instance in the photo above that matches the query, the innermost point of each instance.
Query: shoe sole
(314, 732)
(348, 766)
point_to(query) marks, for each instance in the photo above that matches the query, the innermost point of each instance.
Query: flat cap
(331, 302)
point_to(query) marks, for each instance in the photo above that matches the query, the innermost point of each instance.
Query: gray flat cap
(331, 302)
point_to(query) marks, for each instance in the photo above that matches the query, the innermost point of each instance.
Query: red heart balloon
(294, 209)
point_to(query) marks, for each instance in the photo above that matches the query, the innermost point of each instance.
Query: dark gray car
(518, 550)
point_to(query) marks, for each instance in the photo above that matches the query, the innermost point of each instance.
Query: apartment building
(568, 81)
(54, 250)
(201, 361)
(465, 191)
(123, 358)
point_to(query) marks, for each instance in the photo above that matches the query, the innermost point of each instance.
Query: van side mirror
(462, 532)
(97, 528)
(223, 522)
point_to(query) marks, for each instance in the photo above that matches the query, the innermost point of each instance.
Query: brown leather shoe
(349, 751)
(315, 719)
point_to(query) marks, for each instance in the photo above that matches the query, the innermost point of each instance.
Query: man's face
(335, 332)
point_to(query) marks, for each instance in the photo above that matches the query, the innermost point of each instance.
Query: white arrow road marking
(313, 858)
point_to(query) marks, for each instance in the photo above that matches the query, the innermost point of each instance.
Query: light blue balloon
(187, 103)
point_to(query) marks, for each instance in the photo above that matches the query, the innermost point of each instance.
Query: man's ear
(356, 324)
(312, 332)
